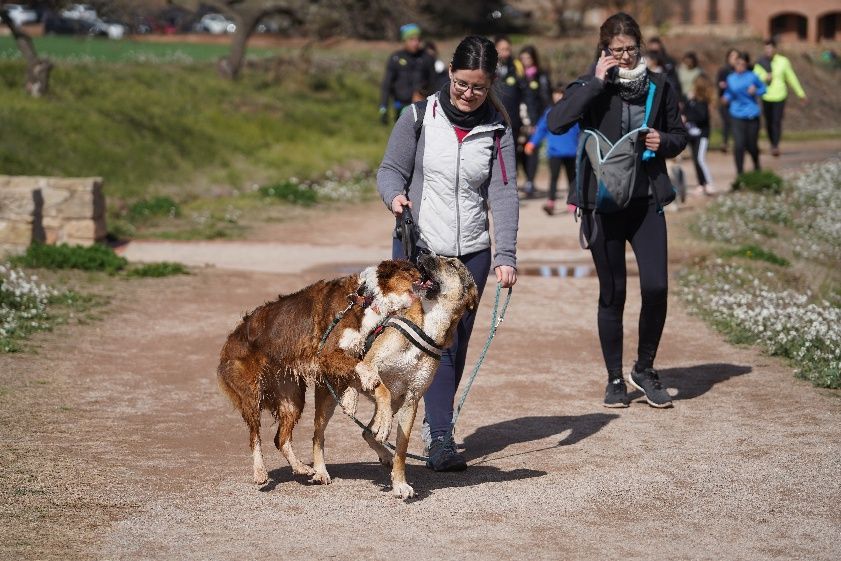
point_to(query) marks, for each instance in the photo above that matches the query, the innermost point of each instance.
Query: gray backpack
(615, 165)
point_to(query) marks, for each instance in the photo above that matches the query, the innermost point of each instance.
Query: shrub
(153, 208)
(93, 258)
(756, 253)
(23, 306)
(163, 269)
(759, 181)
(290, 191)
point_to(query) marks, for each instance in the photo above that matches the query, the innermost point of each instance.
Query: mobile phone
(612, 73)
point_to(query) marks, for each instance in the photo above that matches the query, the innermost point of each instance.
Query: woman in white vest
(450, 159)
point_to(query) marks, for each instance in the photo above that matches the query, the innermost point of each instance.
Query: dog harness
(410, 331)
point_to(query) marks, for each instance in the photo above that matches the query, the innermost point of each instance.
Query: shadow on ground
(693, 381)
(498, 436)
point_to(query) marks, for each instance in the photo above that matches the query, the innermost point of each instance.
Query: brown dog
(406, 368)
(273, 354)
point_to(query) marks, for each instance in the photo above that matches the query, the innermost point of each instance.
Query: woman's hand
(652, 140)
(605, 63)
(397, 204)
(506, 275)
(751, 89)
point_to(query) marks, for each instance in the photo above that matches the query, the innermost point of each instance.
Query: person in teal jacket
(742, 96)
(775, 70)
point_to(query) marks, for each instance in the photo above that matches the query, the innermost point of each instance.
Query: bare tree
(246, 14)
(37, 68)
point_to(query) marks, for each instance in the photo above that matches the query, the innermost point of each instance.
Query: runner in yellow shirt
(775, 70)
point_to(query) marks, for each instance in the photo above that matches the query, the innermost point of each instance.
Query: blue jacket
(742, 104)
(560, 145)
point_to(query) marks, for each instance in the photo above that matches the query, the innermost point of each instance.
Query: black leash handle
(408, 234)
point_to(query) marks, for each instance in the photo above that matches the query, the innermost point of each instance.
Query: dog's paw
(321, 478)
(350, 400)
(303, 469)
(403, 490)
(368, 377)
(382, 434)
(260, 475)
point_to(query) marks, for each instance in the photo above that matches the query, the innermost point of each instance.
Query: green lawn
(98, 49)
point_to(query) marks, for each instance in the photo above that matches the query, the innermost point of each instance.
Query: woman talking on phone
(618, 97)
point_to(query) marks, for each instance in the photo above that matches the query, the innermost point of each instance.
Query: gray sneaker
(648, 382)
(426, 436)
(443, 456)
(616, 393)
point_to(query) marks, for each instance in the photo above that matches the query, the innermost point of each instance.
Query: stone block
(16, 233)
(18, 200)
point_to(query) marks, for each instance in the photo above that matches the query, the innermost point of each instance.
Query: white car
(20, 14)
(112, 29)
(217, 24)
(79, 11)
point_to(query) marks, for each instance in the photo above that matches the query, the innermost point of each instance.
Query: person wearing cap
(409, 73)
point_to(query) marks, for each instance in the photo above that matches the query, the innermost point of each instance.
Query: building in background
(810, 21)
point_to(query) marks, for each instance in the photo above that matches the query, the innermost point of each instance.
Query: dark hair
(619, 24)
(560, 88)
(730, 51)
(771, 41)
(479, 53)
(744, 55)
(532, 52)
(691, 56)
(498, 38)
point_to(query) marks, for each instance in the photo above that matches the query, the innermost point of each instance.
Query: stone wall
(50, 210)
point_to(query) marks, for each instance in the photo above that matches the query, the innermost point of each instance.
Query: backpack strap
(498, 142)
(649, 102)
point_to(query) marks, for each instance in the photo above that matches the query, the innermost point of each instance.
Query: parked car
(55, 24)
(20, 14)
(79, 11)
(216, 24)
(111, 29)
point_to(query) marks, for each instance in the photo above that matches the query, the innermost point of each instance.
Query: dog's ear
(472, 296)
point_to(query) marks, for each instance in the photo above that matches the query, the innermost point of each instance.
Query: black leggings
(773, 111)
(645, 228)
(726, 123)
(555, 174)
(745, 137)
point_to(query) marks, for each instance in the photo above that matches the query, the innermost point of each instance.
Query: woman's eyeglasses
(461, 86)
(617, 53)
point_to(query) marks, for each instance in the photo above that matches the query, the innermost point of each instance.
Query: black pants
(699, 158)
(645, 228)
(726, 124)
(773, 111)
(745, 137)
(555, 173)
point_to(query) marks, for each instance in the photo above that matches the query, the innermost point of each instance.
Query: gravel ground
(117, 444)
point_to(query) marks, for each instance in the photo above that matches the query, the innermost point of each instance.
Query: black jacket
(405, 75)
(698, 113)
(511, 88)
(593, 105)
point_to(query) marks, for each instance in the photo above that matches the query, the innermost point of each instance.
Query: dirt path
(116, 444)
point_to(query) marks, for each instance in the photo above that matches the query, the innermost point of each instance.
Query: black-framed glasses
(461, 86)
(617, 53)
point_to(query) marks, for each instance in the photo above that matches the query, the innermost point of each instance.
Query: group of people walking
(452, 158)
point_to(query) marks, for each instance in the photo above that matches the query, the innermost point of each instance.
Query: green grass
(63, 256)
(88, 49)
(756, 253)
(156, 270)
(290, 192)
(166, 129)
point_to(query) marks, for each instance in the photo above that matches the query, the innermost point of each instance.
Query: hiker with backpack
(630, 124)
(449, 159)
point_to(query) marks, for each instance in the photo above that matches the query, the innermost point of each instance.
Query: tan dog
(272, 355)
(406, 369)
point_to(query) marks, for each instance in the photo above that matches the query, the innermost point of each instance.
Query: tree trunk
(230, 66)
(37, 69)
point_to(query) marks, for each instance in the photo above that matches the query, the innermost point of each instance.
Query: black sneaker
(648, 382)
(616, 394)
(443, 456)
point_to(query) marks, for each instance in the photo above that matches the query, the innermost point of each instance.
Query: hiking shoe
(648, 382)
(549, 207)
(443, 456)
(616, 393)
